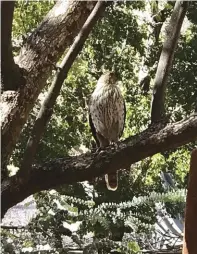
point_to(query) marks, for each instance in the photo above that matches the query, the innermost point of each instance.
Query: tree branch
(8, 66)
(87, 166)
(37, 57)
(165, 61)
(49, 102)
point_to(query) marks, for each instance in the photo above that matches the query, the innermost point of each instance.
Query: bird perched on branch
(107, 114)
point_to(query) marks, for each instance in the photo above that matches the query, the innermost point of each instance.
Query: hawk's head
(108, 78)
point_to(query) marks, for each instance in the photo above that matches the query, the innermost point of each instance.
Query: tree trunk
(190, 234)
(8, 66)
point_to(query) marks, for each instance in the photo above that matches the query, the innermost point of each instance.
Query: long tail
(112, 181)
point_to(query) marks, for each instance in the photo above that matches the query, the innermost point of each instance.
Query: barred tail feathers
(112, 181)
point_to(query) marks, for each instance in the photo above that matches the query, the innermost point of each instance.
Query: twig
(13, 227)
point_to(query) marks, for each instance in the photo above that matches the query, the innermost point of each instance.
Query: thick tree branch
(37, 57)
(165, 61)
(8, 66)
(49, 102)
(87, 166)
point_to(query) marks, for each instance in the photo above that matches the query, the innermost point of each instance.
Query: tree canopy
(52, 56)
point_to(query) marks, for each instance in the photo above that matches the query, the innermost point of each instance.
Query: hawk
(107, 114)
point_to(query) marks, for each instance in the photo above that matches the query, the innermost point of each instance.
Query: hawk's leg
(102, 141)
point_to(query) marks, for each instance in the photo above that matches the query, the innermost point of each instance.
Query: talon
(98, 150)
(102, 151)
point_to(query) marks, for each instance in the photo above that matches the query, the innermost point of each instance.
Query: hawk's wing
(93, 130)
(121, 132)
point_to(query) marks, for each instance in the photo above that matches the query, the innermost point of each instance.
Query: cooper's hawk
(107, 117)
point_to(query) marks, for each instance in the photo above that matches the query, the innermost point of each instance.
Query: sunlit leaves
(182, 89)
(27, 16)
(118, 42)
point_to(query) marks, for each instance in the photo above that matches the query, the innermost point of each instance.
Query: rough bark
(37, 58)
(8, 66)
(50, 100)
(189, 244)
(165, 61)
(87, 166)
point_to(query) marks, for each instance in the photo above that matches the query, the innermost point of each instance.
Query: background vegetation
(126, 39)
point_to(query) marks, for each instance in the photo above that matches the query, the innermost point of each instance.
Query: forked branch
(49, 102)
(37, 58)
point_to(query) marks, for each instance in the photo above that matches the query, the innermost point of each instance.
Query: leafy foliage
(27, 16)
(124, 40)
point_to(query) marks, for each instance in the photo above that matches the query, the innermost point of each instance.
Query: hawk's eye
(112, 77)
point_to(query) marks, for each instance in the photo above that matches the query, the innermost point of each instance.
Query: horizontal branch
(69, 170)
